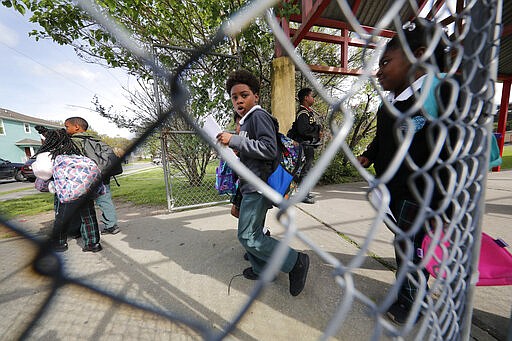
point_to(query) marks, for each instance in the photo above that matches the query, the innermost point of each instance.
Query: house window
(2, 130)
(27, 128)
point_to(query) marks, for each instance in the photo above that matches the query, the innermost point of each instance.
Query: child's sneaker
(113, 230)
(399, 313)
(298, 274)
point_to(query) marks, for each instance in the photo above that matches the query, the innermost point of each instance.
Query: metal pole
(163, 136)
(479, 15)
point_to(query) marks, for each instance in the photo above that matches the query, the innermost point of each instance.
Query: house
(18, 138)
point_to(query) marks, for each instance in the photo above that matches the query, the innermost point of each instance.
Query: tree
(171, 28)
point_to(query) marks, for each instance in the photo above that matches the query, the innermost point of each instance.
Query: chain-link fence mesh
(190, 169)
(456, 167)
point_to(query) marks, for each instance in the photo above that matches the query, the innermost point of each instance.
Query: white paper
(212, 129)
(376, 199)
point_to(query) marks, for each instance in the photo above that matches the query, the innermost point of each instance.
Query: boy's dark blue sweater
(257, 146)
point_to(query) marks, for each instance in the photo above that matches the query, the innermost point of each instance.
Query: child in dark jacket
(404, 81)
(75, 215)
(257, 147)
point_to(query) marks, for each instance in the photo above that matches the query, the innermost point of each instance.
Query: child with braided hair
(75, 214)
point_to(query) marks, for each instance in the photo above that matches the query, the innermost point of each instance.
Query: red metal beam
(507, 30)
(355, 6)
(335, 70)
(344, 50)
(435, 9)
(330, 23)
(285, 25)
(309, 17)
(421, 5)
(329, 38)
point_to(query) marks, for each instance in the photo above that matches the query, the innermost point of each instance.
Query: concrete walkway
(183, 265)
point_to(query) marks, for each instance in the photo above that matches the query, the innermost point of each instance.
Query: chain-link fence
(189, 167)
(457, 142)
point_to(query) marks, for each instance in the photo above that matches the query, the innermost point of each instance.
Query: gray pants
(260, 247)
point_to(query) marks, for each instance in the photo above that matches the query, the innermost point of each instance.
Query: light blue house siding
(18, 138)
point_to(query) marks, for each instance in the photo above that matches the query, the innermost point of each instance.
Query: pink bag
(494, 265)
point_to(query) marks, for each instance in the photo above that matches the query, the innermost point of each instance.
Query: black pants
(405, 213)
(309, 153)
(69, 217)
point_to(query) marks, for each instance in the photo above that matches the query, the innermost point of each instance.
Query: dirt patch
(6, 232)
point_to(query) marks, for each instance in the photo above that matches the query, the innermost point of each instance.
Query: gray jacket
(257, 145)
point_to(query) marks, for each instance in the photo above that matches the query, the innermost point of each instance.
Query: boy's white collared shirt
(404, 95)
(242, 120)
(418, 122)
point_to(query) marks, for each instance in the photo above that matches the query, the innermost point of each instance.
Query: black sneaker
(92, 248)
(113, 230)
(60, 247)
(398, 313)
(246, 256)
(249, 274)
(308, 200)
(298, 274)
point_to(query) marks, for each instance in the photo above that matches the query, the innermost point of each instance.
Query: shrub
(339, 171)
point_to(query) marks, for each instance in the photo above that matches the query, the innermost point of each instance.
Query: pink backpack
(73, 177)
(494, 265)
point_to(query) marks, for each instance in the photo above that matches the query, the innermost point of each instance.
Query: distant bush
(339, 171)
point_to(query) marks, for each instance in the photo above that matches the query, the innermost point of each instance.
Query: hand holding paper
(212, 129)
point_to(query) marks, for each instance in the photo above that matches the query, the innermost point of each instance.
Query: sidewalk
(182, 263)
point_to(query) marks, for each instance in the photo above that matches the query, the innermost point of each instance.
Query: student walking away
(257, 147)
(74, 177)
(397, 75)
(76, 127)
(307, 131)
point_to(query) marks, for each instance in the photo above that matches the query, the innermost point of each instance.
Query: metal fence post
(481, 15)
(163, 141)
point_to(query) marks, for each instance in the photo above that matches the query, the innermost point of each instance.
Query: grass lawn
(507, 158)
(144, 188)
(28, 205)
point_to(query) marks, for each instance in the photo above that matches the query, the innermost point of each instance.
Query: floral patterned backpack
(74, 177)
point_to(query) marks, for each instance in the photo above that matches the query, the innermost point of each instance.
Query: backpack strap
(115, 179)
(430, 105)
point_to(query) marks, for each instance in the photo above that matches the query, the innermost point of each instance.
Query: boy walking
(257, 147)
(76, 127)
(308, 132)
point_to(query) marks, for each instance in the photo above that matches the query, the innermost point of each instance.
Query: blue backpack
(291, 160)
(432, 109)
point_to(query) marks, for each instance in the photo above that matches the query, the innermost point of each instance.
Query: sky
(46, 80)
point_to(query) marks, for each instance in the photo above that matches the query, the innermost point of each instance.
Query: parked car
(157, 161)
(26, 170)
(10, 170)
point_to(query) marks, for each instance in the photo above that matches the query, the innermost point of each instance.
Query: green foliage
(16, 5)
(339, 171)
(119, 144)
